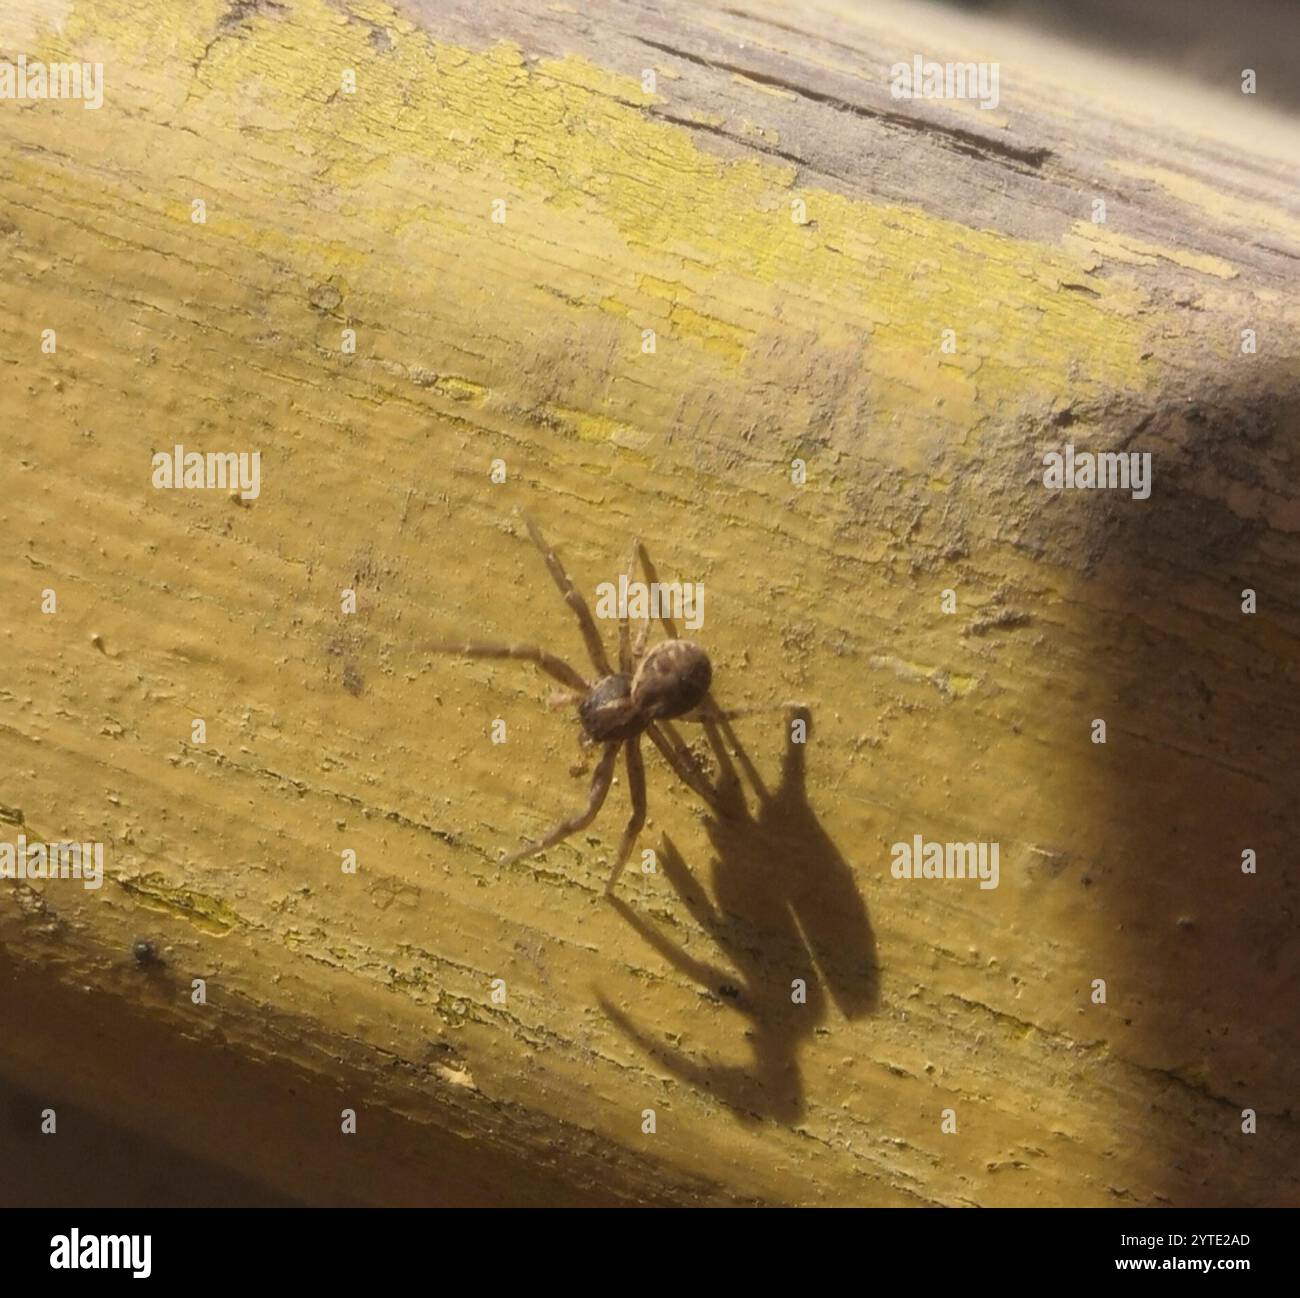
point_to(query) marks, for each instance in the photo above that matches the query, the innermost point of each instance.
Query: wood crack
(969, 143)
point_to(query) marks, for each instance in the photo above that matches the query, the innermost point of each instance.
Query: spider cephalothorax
(671, 680)
(666, 682)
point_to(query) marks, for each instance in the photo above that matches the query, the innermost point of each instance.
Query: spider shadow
(784, 907)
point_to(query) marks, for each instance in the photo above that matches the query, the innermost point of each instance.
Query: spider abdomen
(672, 680)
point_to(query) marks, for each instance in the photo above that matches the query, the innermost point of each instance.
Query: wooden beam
(647, 258)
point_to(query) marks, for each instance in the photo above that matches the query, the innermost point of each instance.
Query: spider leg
(626, 660)
(638, 644)
(652, 577)
(709, 713)
(573, 598)
(679, 759)
(636, 790)
(600, 782)
(563, 699)
(548, 662)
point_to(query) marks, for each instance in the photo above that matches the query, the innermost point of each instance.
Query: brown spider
(669, 680)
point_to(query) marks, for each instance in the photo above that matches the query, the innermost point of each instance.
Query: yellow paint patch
(1108, 243)
(206, 913)
(1227, 209)
(777, 92)
(459, 389)
(588, 425)
(715, 334)
(460, 126)
(704, 119)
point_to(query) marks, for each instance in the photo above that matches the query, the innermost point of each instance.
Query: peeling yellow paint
(208, 914)
(1125, 248)
(460, 389)
(776, 92)
(722, 229)
(1229, 209)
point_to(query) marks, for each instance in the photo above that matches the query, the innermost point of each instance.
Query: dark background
(1210, 40)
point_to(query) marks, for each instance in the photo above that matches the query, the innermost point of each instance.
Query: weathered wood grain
(780, 334)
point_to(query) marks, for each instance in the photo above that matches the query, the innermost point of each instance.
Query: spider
(668, 681)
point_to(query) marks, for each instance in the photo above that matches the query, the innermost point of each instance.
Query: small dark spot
(352, 681)
(1001, 620)
(324, 298)
(727, 990)
(146, 954)
(240, 11)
